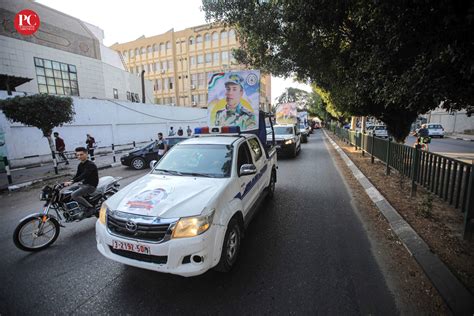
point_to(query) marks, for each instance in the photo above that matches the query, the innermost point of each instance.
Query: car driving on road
(188, 214)
(287, 138)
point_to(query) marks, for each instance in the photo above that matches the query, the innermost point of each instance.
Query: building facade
(66, 56)
(178, 63)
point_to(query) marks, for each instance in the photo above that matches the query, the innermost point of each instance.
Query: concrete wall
(108, 121)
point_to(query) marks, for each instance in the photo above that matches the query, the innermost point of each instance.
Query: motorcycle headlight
(289, 141)
(103, 213)
(193, 226)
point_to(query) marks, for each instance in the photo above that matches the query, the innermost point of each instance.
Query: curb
(459, 300)
(460, 138)
(18, 186)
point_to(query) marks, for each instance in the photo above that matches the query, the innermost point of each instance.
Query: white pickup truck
(189, 213)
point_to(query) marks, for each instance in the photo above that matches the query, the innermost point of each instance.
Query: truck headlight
(193, 226)
(103, 213)
(289, 141)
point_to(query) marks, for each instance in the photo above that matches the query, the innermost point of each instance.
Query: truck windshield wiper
(173, 172)
(197, 174)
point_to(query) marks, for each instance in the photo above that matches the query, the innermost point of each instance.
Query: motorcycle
(40, 230)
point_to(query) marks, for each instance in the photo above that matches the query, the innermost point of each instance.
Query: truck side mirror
(247, 169)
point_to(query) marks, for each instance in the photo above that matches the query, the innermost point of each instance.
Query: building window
(215, 58)
(208, 58)
(137, 52)
(224, 56)
(223, 37)
(215, 38)
(162, 48)
(170, 64)
(201, 79)
(191, 41)
(166, 83)
(207, 40)
(115, 93)
(233, 61)
(148, 49)
(131, 53)
(232, 36)
(142, 50)
(171, 83)
(194, 81)
(199, 42)
(155, 48)
(200, 59)
(56, 78)
(192, 60)
(168, 45)
(157, 66)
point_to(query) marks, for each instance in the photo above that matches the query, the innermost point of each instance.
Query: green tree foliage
(300, 97)
(392, 60)
(40, 110)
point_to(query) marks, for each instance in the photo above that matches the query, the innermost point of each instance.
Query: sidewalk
(466, 137)
(26, 176)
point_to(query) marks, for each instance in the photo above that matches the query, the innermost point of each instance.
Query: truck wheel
(230, 248)
(271, 185)
(138, 163)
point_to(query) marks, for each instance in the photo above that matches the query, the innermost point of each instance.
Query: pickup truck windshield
(214, 161)
(283, 130)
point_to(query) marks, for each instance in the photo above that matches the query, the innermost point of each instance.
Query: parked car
(379, 131)
(141, 157)
(287, 138)
(189, 213)
(434, 130)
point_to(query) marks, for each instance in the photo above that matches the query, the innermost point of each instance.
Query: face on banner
(286, 113)
(233, 99)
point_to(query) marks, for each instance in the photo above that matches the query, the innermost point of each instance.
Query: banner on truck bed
(303, 117)
(286, 113)
(233, 99)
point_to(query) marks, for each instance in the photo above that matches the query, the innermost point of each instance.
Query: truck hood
(281, 137)
(167, 196)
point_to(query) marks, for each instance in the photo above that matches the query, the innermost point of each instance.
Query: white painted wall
(95, 77)
(108, 121)
(457, 122)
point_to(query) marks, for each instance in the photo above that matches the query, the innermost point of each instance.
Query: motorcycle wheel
(32, 234)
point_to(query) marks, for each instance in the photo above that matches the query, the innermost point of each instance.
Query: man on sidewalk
(87, 178)
(60, 147)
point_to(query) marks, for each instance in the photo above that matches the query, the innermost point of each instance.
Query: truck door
(248, 192)
(260, 162)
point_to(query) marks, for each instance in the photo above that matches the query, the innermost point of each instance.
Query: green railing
(448, 178)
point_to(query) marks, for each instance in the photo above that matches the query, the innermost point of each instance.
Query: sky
(124, 21)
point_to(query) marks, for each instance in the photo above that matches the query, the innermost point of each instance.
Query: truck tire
(271, 185)
(230, 247)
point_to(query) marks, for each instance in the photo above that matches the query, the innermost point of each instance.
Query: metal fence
(448, 178)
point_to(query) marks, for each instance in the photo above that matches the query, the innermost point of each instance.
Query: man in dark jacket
(60, 147)
(88, 177)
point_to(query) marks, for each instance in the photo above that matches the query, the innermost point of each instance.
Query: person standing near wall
(60, 147)
(180, 131)
(189, 131)
(162, 145)
(171, 131)
(90, 142)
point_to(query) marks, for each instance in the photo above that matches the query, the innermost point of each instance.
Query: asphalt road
(305, 252)
(446, 145)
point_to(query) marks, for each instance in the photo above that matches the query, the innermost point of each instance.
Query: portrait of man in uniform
(235, 113)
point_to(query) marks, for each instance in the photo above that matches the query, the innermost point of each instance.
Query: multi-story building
(178, 63)
(66, 56)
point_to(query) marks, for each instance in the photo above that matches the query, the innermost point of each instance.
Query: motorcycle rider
(87, 178)
(422, 136)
